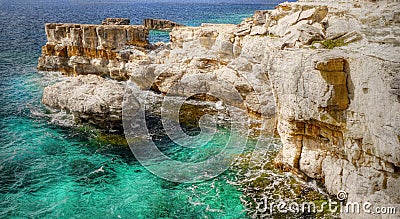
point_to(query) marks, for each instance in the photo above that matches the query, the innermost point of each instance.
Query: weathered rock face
(327, 119)
(160, 24)
(116, 21)
(208, 59)
(338, 110)
(330, 71)
(76, 49)
(90, 98)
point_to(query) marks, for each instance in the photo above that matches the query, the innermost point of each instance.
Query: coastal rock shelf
(328, 71)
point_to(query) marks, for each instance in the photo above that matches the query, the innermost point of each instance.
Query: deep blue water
(47, 171)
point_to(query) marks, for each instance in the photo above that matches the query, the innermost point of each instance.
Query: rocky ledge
(328, 71)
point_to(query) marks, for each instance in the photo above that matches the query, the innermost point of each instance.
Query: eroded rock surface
(79, 49)
(338, 112)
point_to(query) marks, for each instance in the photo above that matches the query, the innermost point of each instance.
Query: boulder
(310, 34)
(258, 30)
(339, 26)
(260, 17)
(307, 14)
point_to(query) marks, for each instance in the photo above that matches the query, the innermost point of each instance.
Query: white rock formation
(91, 99)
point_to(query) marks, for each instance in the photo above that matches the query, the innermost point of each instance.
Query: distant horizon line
(157, 1)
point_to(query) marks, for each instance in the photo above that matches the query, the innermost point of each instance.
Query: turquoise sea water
(49, 172)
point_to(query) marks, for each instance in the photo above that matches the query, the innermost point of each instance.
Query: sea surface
(49, 172)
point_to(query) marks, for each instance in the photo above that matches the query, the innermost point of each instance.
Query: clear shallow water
(49, 172)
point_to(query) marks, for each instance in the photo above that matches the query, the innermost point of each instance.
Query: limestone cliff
(338, 113)
(105, 50)
(334, 73)
(328, 71)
